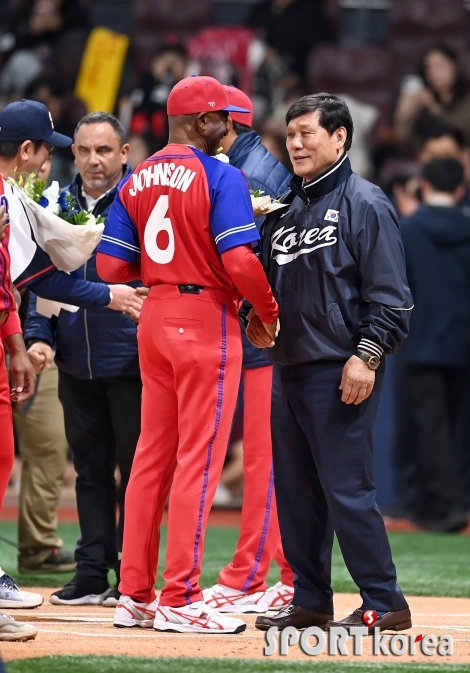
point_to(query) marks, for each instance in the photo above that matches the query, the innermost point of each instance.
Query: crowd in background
(409, 98)
(276, 50)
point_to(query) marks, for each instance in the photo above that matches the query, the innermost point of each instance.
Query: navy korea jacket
(335, 261)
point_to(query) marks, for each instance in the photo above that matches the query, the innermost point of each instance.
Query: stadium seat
(154, 21)
(435, 19)
(362, 72)
(172, 15)
(223, 52)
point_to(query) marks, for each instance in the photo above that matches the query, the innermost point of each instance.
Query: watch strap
(363, 356)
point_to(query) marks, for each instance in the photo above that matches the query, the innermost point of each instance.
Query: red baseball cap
(199, 94)
(239, 98)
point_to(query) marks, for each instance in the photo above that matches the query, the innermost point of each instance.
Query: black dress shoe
(391, 621)
(81, 591)
(293, 615)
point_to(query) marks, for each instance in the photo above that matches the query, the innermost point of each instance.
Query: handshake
(128, 300)
(260, 334)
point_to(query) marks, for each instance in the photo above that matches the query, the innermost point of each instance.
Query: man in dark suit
(437, 354)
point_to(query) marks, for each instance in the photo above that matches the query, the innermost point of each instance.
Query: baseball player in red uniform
(183, 222)
(10, 336)
(9, 324)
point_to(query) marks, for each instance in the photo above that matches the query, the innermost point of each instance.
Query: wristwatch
(372, 361)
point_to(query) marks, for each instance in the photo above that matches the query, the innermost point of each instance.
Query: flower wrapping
(69, 246)
(262, 205)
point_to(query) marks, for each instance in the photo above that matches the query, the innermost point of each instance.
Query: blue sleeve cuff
(246, 235)
(120, 237)
(119, 249)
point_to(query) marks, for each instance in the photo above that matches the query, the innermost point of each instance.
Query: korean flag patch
(332, 215)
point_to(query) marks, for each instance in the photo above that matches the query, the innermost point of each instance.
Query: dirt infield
(89, 630)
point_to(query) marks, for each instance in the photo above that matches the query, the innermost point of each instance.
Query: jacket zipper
(87, 339)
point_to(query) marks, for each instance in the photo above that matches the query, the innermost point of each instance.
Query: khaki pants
(43, 448)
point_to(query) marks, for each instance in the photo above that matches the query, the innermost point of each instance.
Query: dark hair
(334, 113)
(9, 150)
(459, 88)
(440, 130)
(445, 175)
(171, 46)
(103, 118)
(56, 86)
(241, 128)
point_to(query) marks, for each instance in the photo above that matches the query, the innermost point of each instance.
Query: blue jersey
(177, 213)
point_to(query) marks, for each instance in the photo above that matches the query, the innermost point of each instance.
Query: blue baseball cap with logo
(29, 120)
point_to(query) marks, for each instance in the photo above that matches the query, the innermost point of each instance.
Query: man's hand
(41, 355)
(3, 222)
(357, 381)
(132, 313)
(125, 299)
(22, 372)
(261, 335)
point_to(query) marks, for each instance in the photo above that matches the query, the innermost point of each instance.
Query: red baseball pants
(190, 358)
(260, 538)
(7, 444)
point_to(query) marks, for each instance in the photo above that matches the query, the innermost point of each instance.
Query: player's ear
(201, 122)
(26, 149)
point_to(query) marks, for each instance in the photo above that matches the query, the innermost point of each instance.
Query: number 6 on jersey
(157, 223)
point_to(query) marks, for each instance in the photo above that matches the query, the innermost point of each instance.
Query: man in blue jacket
(335, 261)
(242, 583)
(437, 352)
(99, 379)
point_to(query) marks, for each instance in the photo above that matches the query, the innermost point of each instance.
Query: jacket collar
(244, 144)
(76, 185)
(325, 183)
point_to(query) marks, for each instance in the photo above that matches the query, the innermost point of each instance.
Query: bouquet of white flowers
(68, 234)
(54, 216)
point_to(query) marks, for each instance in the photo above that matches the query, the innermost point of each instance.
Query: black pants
(102, 424)
(323, 475)
(436, 395)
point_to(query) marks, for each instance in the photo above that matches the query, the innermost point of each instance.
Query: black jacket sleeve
(379, 251)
